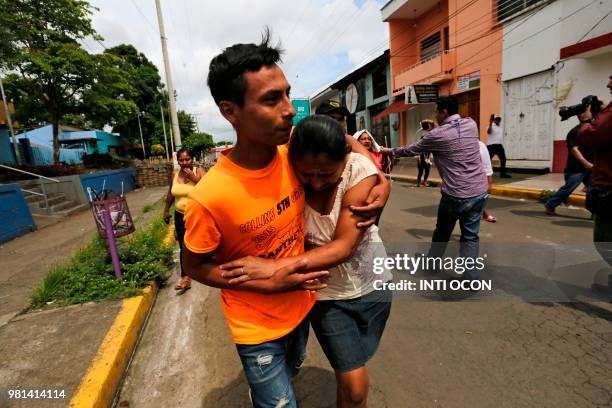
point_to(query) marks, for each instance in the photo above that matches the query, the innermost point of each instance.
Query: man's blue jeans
(468, 211)
(270, 366)
(572, 181)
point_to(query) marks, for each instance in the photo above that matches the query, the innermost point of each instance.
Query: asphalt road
(521, 345)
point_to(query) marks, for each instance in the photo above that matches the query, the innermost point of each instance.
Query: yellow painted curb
(513, 192)
(574, 199)
(97, 389)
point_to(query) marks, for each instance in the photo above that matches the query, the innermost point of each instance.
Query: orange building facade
(455, 45)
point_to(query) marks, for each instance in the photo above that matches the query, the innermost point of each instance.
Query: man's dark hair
(318, 134)
(226, 73)
(448, 103)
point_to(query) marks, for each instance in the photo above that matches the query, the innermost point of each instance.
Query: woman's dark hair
(226, 73)
(184, 150)
(448, 103)
(318, 134)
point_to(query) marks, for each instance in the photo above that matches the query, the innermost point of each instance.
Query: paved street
(499, 351)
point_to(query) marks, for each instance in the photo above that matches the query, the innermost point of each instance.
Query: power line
(301, 16)
(335, 38)
(151, 26)
(528, 37)
(427, 32)
(595, 26)
(386, 42)
(316, 30)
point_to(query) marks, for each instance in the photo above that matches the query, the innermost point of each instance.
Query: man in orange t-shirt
(251, 203)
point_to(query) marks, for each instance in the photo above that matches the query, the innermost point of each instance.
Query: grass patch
(89, 275)
(147, 208)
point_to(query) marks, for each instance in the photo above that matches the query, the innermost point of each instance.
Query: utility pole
(173, 116)
(144, 154)
(164, 127)
(10, 124)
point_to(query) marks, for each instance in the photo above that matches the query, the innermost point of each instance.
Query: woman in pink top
(367, 140)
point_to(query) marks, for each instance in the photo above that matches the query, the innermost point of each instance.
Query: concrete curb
(98, 386)
(97, 389)
(500, 190)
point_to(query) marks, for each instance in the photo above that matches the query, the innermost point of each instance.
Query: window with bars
(509, 8)
(430, 47)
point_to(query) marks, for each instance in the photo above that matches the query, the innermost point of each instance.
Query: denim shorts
(349, 330)
(269, 367)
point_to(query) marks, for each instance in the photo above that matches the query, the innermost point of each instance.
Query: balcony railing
(423, 61)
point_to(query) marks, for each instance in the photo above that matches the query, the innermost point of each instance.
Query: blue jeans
(572, 181)
(468, 211)
(270, 366)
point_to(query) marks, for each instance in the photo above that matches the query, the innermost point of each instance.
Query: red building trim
(585, 46)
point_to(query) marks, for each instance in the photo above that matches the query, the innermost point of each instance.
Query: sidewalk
(406, 170)
(52, 349)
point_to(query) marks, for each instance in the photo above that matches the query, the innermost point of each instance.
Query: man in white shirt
(488, 168)
(494, 143)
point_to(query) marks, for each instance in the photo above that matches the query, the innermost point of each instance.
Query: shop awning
(395, 107)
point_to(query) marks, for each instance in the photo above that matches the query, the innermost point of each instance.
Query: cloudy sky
(322, 39)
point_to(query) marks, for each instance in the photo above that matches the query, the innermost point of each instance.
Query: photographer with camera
(596, 133)
(578, 166)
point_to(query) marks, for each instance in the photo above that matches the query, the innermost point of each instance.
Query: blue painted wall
(113, 180)
(15, 216)
(6, 148)
(94, 140)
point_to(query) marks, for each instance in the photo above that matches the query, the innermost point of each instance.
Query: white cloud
(322, 40)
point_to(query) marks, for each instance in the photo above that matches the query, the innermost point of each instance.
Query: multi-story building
(454, 45)
(366, 93)
(518, 58)
(554, 54)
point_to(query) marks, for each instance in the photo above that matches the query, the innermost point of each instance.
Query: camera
(567, 112)
(426, 125)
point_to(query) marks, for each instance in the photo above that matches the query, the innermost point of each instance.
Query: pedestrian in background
(577, 168)
(454, 144)
(597, 134)
(494, 143)
(488, 168)
(181, 184)
(424, 159)
(333, 109)
(382, 161)
(367, 140)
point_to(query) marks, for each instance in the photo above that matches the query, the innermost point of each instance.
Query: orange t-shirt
(235, 212)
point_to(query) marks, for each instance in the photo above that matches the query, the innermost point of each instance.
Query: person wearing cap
(494, 143)
(333, 109)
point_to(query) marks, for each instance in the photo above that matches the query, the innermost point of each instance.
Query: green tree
(149, 93)
(224, 143)
(199, 143)
(187, 124)
(51, 75)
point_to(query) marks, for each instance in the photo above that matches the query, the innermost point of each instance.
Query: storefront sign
(468, 81)
(302, 109)
(421, 94)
